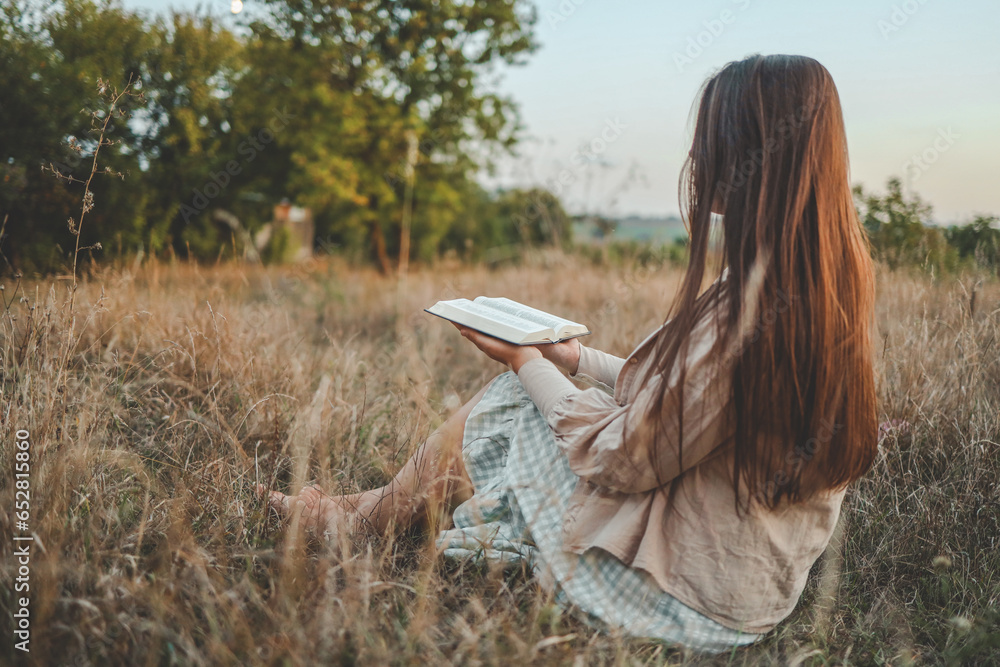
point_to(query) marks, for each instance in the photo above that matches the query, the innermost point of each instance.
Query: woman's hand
(565, 355)
(506, 353)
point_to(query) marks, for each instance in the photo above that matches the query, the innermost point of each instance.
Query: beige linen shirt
(746, 572)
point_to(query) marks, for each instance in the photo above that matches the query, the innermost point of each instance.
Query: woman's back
(678, 520)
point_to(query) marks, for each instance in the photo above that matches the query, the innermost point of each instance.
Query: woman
(691, 504)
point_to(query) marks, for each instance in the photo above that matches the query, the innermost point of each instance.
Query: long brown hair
(770, 155)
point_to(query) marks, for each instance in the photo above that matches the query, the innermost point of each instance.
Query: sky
(919, 82)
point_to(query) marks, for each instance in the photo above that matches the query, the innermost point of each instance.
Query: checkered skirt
(522, 485)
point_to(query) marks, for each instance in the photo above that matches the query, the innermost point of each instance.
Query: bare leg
(432, 481)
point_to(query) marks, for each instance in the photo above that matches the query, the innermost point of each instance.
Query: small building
(298, 221)
(301, 232)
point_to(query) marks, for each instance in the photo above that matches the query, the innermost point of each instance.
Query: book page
(511, 319)
(508, 320)
(523, 312)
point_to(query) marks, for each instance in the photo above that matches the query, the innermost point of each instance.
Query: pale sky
(916, 78)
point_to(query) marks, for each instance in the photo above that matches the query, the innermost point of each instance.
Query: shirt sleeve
(599, 366)
(609, 444)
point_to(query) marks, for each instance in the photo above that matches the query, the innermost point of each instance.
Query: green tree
(899, 229)
(536, 216)
(372, 71)
(314, 102)
(50, 63)
(978, 241)
(195, 159)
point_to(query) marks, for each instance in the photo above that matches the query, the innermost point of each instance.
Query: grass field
(167, 392)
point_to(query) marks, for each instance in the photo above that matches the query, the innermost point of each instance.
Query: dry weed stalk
(100, 125)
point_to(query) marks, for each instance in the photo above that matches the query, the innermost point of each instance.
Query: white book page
(512, 319)
(491, 321)
(522, 312)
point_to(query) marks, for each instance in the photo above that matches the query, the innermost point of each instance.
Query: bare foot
(319, 512)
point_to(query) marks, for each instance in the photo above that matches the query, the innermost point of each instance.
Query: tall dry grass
(156, 406)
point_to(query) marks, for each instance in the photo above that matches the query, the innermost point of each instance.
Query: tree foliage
(978, 241)
(377, 70)
(313, 100)
(49, 70)
(902, 233)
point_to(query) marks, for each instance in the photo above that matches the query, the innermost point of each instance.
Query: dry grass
(176, 388)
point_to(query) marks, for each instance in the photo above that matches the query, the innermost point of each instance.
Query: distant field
(156, 405)
(646, 230)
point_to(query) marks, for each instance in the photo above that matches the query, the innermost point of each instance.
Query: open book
(508, 320)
